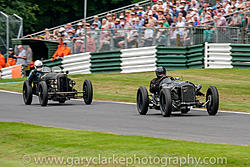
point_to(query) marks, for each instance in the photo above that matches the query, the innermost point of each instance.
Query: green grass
(233, 85)
(19, 139)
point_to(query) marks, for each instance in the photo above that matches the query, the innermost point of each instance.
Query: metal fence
(108, 40)
(11, 26)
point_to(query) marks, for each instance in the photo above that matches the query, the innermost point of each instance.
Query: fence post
(178, 42)
(205, 55)
(111, 40)
(7, 32)
(191, 36)
(154, 36)
(216, 35)
(242, 35)
(126, 39)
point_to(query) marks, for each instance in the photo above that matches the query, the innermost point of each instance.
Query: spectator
(148, 35)
(90, 43)
(12, 58)
(68, 27)
(151, 19)
(47, 34)
(62, 50)
(236, 20)
(79, 46)
(21, 58)
(79, 29)
(2, 61)
(104, 38)
(97, 22)
(222, 20)
(208, 34)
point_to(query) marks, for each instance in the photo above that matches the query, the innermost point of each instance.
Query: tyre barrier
(240, 55)
(77, 63)
(218, 55)
(15, 71)
(105, 62)
(138, 60)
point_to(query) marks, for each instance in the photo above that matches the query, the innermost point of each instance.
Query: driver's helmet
(38, 65)
(160, 72)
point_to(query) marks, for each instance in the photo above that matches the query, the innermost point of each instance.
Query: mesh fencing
(110, 40)
(10, 27)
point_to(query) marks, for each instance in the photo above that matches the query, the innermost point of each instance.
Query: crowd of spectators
(168, 17)
(15, 56)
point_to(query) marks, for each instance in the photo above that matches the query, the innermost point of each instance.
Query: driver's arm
(32, 76)
(153, 85)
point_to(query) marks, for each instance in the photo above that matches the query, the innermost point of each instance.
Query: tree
(25, 9)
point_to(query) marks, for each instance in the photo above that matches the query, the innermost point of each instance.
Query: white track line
(117, 102)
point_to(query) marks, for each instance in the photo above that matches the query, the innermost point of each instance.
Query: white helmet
(38, 65)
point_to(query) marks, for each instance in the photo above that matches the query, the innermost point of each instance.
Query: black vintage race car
(175, 95)
(53, 84)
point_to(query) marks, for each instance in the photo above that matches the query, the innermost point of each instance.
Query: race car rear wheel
(142, 100)
(87, 92)
(43, 93)
(27, 93)
(212, 97)
(165, 102)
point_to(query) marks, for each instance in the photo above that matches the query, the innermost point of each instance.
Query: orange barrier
(17, 71)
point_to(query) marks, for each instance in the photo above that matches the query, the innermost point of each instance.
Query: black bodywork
(56, 86)
(60, 87)
(175, 95)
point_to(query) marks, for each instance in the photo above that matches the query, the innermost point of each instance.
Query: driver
(154, 84)
(34, 74)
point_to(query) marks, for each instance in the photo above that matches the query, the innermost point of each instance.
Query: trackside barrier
(240, 55)
(105, 62)
(195, 56)
(172, 58)
(77, 63)
(138, 60)
(6, 73)
(15, 71)
(218, 55)
(49, 63)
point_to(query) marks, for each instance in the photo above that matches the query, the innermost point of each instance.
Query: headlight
(72, 83)
(53, 83)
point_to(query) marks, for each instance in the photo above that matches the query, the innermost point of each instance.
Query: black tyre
(213, 97)
(185, 111)
(27, 93)
(43, 93)
(87, 92)
(61, 101)
(165, 102)
(142, 100)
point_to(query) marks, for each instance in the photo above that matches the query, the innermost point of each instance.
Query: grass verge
(23, 143)
(233, 85)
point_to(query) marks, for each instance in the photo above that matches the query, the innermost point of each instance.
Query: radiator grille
(63, 84)
(188, 93)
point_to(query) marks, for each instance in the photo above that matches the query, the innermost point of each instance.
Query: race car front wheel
(27, 93)
(142, 100)
(165, 102)
(87, 92)
(212, 99)
(43, 93)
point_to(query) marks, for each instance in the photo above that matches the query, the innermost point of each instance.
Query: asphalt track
(121, 118)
